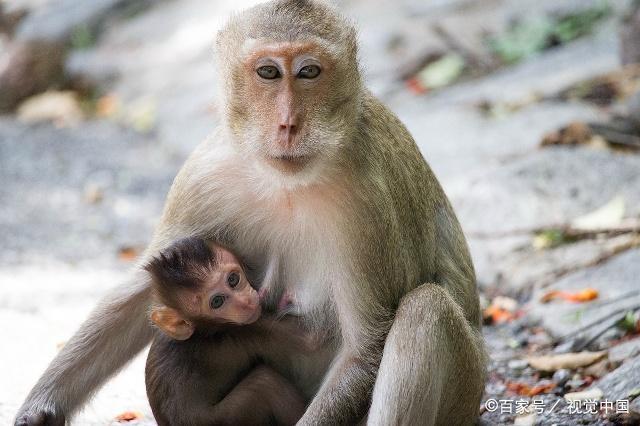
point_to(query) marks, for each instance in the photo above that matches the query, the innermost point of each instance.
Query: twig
(615, 136)
(609, 325)
(561, 272)
(599, 321)
(626, 227)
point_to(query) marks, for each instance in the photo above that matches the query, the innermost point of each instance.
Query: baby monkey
(218, 359)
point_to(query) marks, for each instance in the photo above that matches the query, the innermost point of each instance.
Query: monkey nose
(288, 127)
(250, 303)
(287, 132)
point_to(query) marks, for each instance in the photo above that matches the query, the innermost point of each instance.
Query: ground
(79, 201)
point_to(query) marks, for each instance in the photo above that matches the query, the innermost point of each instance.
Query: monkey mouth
(292, 158)
(289, 163)
(254, 316)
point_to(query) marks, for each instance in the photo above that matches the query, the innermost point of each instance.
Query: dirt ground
(79, 196)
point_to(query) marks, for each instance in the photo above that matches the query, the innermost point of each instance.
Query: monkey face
(227, 295)
(198, 281)
(287, 105)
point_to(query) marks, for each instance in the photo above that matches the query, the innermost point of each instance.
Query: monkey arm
(344, 397)
(116, 330)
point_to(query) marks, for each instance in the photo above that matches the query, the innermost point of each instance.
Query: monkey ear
(171, 322)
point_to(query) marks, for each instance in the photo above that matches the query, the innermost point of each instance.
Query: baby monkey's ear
(171, 322)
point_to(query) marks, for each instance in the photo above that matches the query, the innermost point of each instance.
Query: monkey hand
(39, 418)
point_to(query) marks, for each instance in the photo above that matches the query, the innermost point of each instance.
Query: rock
(616, 280)
(599, 369)
(518, 364)
(630, 38)
(620, 383)
(57, 20)
(561, 376)
(593, 393)
(625, 350)
(9, 19)
(27, 68)
(60, 108)
(526, 420)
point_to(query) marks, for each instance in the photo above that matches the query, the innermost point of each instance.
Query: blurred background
(528, 111)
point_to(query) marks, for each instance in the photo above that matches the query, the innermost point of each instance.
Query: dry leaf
(570, 361)
(129, 416)
(502, 309)
(591, 394)
(441, 72)
(415, 86)
(584, 295)
(609, 215)
(128, 253)
(108, 106)
(527, 390)
(496, 315)
(576, 133)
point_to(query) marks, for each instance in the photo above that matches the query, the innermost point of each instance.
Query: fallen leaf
(142, 115)
(496, 315)
(605, 89)
(590, 394)
(584, 295)
(506, 303)
(609, 215)
(530, 36)
(548, 238)
(629, 323)
(528, 390)
(502, 309)
(128, 253)
(108, 106)
(129, 416)
(570, 360)
(576, 133)
(441, 72)
(415, 86)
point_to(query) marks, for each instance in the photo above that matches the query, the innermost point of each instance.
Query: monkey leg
(114, 332)
(263, 397)
(432, 369)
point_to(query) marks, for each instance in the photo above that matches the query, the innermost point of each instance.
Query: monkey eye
(268, 72)
(233, 279)
(216, 301)
(309, 71)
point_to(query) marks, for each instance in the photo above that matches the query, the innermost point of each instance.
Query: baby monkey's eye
(233, 279)
(268, 72)
(216, 301)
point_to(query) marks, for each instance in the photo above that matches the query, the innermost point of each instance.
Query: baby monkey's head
(199, 285)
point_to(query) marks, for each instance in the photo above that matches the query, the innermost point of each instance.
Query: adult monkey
(311, 175)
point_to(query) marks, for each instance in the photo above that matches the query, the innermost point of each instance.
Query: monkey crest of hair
(327, 121)
(184, 264)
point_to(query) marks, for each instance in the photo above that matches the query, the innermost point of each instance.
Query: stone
(630, 38)
(619, 384)
(625, 350)
(615, 280)
(60, 108)
(27, 68)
